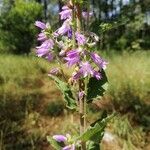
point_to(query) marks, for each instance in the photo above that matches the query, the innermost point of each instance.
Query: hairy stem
(82, 101)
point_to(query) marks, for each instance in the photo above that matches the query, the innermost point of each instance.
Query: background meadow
(31, 107)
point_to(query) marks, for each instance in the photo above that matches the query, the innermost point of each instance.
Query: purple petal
(66, 13)
(41, 52)
(69, 147)
(42, 37)
(59, 138)
(72, 57)
(49, 56)
(65, 28)
(81, 94)
(86, 69)
(97, 75)
(40, 24)
(80, 38)
(48, 44)
(98, 60)
(76, 76)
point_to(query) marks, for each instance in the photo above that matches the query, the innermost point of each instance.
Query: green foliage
(129, 85)
(17, 26)
(67, 93)
(94, 134)
(129, 136)
(96, 88)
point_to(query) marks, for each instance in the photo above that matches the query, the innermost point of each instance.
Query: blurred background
(31, 107)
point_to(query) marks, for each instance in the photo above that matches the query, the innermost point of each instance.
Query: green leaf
(96, 88)
(53, 143)
(66, 91)
(95, 133)
(93, 146)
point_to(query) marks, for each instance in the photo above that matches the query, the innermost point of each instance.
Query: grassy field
(31, 107)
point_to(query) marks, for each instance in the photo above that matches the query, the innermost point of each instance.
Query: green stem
(82, 101)
(73, 25)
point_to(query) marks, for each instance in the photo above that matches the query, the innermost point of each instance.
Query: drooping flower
(80, 38)
(44, 50)
(73, 57)
(40, 25)
(49, 56)
(65, 28)
(98, 60)
(48, 44)
(69, 147)
(85, 70)
(65, 13)
(97, 75)
(60, 138)
(41, 37)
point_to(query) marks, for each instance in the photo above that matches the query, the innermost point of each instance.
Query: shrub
(17, 26)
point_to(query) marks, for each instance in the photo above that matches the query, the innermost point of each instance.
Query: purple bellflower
(42, 37)
(44, 49)
(60, 138)
(69, 147)
(84, 71)
(98, 61)
(73, 57)
(65, 28)
(80, 38)
(65, 13)
(40, 25)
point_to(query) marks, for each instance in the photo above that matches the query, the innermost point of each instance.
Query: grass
(26, 95)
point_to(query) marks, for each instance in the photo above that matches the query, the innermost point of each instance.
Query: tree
(17, 25)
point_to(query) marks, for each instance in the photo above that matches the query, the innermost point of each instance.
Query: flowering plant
(88, 80)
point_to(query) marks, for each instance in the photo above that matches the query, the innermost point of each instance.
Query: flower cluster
(86, 62)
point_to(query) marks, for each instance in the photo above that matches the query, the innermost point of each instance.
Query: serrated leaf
(96, 132)
(53, 143)
(93, 146)
(66, 91)
(96, 88)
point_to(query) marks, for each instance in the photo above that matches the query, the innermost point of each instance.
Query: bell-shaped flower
(98, 60)
(73, 57)
(44, 50)
(48, 44)
(86, 69)
(65, 13)
(40, 25)
(69, 147)
(97, 75)
(65, 28)
(60, 138)
(80, 38)
(41, 37)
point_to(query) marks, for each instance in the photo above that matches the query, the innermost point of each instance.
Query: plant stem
(82, 101)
